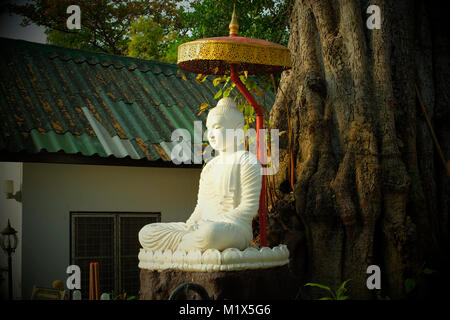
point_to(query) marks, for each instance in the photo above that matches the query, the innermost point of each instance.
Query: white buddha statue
(228, 196)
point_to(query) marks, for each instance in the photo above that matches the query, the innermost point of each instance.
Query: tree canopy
(105, 25)
(263, 19)
(153, 29)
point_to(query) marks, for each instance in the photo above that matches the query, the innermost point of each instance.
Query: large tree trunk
(369, 185)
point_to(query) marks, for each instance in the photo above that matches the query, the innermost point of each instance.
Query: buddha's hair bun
(227, 107)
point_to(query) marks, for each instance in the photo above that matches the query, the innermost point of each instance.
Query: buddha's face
(217, 126)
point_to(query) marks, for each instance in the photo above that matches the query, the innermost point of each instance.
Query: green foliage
(153, 29)
(229, 89)
(411, 283)
(171, 49)
(428, 271)
(145, 38)
(333, 295)
(338, 295)
(263, 19)
(104, 24)
(122, 296)
(74, 40)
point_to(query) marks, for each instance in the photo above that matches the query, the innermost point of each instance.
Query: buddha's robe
(228, 200)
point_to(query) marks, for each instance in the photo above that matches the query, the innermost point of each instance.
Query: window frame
(116, 216)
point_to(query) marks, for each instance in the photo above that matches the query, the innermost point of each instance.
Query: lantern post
(8, 242)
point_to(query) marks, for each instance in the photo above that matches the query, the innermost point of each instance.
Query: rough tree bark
(369, 186)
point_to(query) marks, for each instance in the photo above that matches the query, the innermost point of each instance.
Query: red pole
(260, 152)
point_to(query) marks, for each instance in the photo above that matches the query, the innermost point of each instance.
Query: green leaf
(326, 298)
(321, 286)
(410, 284)
(341, 290)
(249, 112)
(342, 298)
(317, 285)
(251, 84)
(227, 92)
(218, 80)
(428, 271)
(199, 77)
(218, 94)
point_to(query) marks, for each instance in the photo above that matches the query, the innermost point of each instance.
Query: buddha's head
(225, 116)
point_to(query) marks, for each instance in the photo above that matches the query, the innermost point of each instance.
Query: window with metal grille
(111, 239)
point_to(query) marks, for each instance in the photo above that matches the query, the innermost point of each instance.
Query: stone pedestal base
(270, 283)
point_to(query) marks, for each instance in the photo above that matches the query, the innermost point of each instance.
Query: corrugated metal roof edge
(68, 143)
(66, 54)
(78, 158)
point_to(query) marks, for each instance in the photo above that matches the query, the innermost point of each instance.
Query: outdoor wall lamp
(8, 242)
(9, 190)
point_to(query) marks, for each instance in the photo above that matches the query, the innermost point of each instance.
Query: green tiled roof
(75, 101)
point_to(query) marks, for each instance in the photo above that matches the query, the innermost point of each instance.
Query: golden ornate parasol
(231, 56)
(216, 55)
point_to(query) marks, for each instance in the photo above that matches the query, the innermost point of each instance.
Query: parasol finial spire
(234, 25)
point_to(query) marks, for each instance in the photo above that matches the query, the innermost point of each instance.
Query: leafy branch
(334, 295)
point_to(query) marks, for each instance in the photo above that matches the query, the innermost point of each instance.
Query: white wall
(51, 191)
(12, 210)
